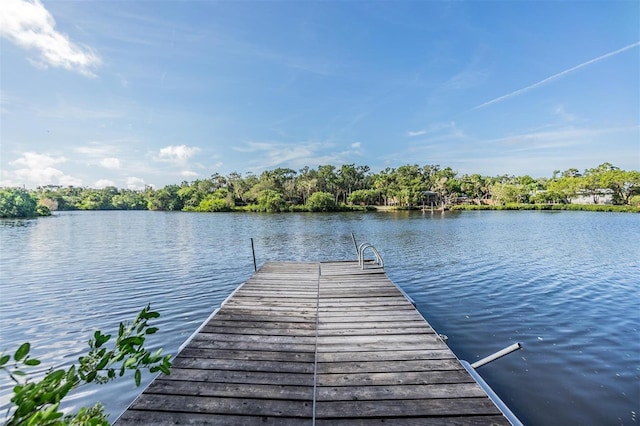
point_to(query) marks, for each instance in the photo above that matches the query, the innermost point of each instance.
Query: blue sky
(128, 93)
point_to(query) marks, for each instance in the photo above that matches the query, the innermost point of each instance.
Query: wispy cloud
(555, 76)
(95, 149)
(568, 136)
(29, 25)
(298, 155)
(436, 128)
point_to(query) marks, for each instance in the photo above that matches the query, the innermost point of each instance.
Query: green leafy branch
(38, 402)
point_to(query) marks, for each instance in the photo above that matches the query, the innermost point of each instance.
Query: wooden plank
(244, 365)
(239, 406)
(372, 331)
(216, 389)
(164, 418)
(403, 392)
(402, 316)
(467, 420)
(275, 331)
(234, 323)
(252, 315)
(256, 338)
(388, 340)
(407, 378)
(251, 346)
(389, 366)
(232, 376)
(262, 355)
(388, 355)
(373, 325)
(416, 407)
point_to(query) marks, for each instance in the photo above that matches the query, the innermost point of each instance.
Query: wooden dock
(315, 343)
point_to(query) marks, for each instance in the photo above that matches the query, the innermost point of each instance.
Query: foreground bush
(37, 402)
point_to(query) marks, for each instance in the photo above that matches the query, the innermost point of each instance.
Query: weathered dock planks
(315, 343)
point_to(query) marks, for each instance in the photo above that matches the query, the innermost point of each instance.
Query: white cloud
(103, 183)
(110, 163)
(356, 145)
(135, 183)
(29, 25)
(188, 173)
(176, 153)
(34, 169)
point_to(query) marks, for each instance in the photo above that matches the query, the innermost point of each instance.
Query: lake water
(564, 284)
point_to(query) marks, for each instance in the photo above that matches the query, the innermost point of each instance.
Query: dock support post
(253, 252)
(354, 243)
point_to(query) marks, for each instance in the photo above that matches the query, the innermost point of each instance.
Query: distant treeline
(349, 187)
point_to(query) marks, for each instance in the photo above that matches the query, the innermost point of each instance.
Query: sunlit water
(564, 284)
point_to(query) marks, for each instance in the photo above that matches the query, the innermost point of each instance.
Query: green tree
(270, 201)
(19, 203)
(321, 202)
(475, 186)
(567, 187)
(166, 199)
(364, 196)
(446, 185)
(624, 184)
(327, 179)
(220, 201)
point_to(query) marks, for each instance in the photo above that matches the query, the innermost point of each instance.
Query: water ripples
(564, 284)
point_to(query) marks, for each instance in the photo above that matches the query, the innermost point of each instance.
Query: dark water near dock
(564, 284)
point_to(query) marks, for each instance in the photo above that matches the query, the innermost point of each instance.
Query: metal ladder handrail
(361, 249)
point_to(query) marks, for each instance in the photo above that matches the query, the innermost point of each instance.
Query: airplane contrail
(555, 76)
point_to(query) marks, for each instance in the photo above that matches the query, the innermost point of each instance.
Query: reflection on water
(562, 283)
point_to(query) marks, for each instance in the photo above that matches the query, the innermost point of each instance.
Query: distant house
(429, 197)
(602, 196)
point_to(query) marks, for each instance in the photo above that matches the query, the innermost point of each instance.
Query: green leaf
(102, 339)
(55, 375)
(71, 373)
(31, 362)
(137, 377)
(4, 359)
(22, 351)
(65, 389)
(134, 340)
(128, 363)
(103, 363)
(152, 314)
(151, 330)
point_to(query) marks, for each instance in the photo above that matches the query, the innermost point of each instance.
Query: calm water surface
(564, 284)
